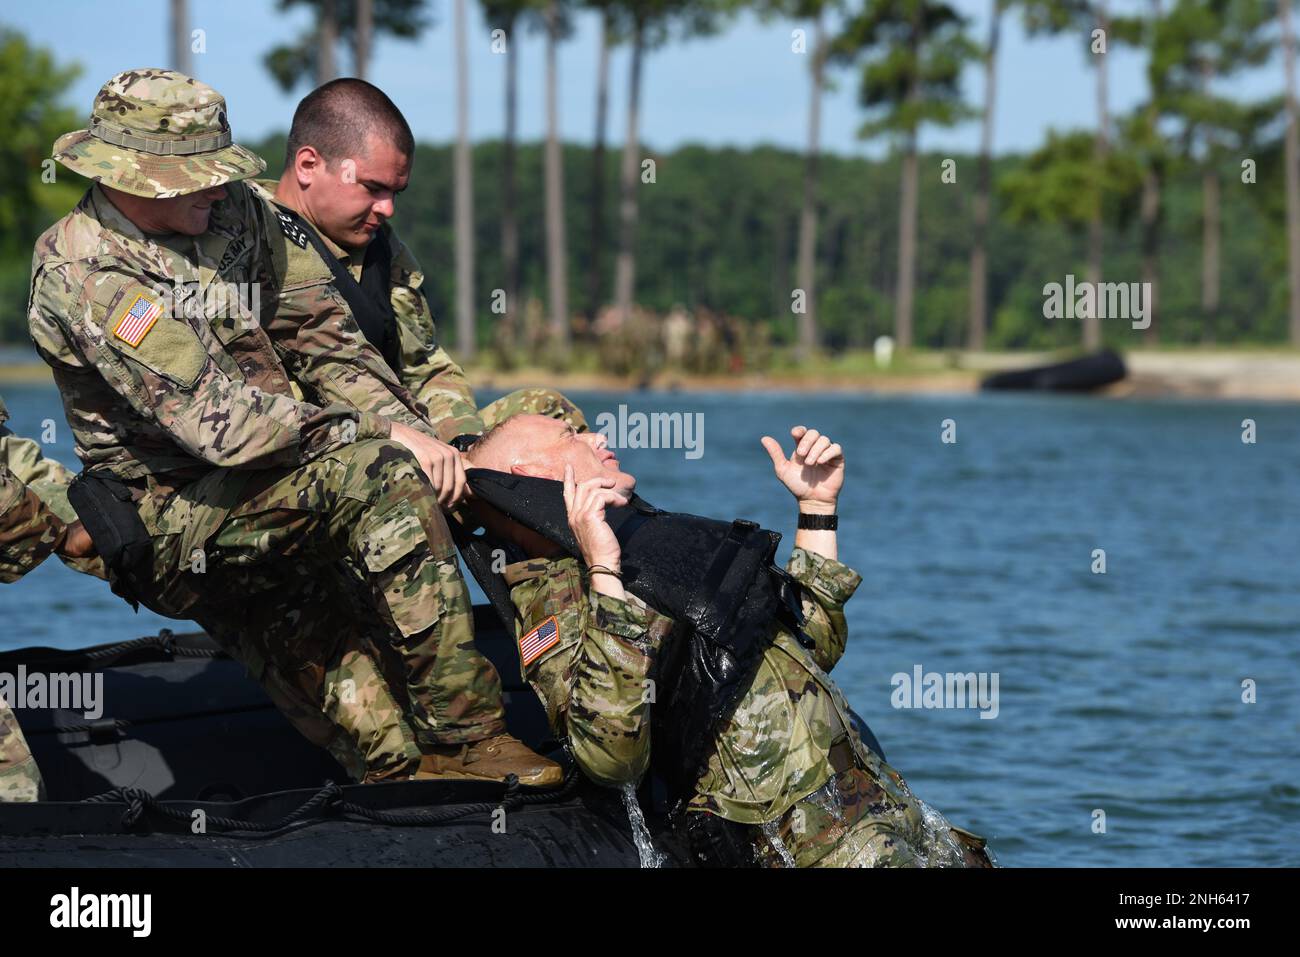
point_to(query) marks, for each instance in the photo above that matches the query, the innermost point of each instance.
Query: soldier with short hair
(343, 276)
(148, 301)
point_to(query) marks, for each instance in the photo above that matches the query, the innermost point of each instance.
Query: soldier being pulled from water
(216, 485)
(754, 739)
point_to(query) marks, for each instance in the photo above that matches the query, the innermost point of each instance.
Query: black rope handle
(327, 801)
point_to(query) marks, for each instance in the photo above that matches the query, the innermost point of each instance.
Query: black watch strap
(819, 523)
(462, 442)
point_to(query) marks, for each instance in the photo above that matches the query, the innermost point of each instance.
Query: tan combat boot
(489, 760)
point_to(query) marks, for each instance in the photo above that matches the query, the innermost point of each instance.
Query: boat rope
(328, 804)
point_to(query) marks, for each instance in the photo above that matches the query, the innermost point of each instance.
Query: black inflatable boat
(190, 765)
(1084, 374)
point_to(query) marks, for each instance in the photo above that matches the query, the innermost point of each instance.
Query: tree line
(1193, 192)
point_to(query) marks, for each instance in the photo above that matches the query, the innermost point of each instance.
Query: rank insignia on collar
(542, 638)
(136, 322)
(297, 235)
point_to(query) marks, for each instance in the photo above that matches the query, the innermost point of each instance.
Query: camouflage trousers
(866, 816)
(294, 571)
(20, 779)
(345, 694)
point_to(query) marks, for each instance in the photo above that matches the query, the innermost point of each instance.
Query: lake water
(1119, 692)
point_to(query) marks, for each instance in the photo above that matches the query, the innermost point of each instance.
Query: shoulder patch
(135, 321)
(538, 641)
(290, 227)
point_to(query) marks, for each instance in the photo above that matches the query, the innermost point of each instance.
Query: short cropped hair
(336, 118)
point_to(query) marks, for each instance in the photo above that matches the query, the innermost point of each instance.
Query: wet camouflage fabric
(866, 817)
(771, 755)
(273, 489)
(20, 779)
(140, 115)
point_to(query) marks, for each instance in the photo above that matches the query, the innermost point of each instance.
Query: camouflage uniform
(255, 501)
(770, 766)
(34, 508)
(319, 341)
(20, 779)
(312, 314)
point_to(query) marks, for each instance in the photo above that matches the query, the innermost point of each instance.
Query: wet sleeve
(161, 367)
(318, 340)
(829, 584)
(594, 673)
(427, 369)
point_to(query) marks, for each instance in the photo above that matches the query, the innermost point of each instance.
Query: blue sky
(741, 88)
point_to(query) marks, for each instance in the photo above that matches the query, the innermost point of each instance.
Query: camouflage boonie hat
(157, 133)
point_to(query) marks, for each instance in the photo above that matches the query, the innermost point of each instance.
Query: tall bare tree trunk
(1209, 254)
(1151, 247)
(182, 61)
(595, 277)
(979, 267)
(906, 282)
(557, 269)
(1092, 324)
(464, 198)
(506, 339)
(361, 38)
(625, 278)
(808, 216)
(1150, 208)
(327, 35)
(1292, 172)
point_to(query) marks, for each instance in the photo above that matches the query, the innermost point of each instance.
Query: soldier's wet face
(540, 446)
(350, 197)
(188, 215)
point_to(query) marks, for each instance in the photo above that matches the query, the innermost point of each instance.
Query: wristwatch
(819, 523)
(462, 442)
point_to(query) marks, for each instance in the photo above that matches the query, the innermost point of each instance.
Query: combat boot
(489, 760)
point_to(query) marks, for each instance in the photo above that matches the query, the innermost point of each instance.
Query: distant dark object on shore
(1078, 375)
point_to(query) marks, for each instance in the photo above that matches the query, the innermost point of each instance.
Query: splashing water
(827, 797)
(939, 838)
(772, 831)
(650, 855)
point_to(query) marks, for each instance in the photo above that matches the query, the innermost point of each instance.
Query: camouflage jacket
(310, 302)
(30, 530)
(591, 674)
(158, 348)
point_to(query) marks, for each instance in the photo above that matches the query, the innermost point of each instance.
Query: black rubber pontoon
(184, 730)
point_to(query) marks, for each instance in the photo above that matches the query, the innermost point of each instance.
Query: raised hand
(814, 473)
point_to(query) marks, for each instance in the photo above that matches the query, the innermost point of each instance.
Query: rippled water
(1119, 692)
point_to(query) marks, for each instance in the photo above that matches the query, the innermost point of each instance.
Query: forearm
(820, 541)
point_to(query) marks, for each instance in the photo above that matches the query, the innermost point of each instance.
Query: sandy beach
(1272, 375)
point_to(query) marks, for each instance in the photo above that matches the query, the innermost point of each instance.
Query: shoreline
(1157, 374)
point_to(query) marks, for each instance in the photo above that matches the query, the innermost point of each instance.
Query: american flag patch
(544, 636)
(138, 320)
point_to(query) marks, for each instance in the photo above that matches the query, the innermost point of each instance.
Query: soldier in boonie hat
(157, 134)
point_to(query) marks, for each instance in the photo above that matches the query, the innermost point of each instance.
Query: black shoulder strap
(369, 300)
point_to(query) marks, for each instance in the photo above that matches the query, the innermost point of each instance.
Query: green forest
(1191, 184)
